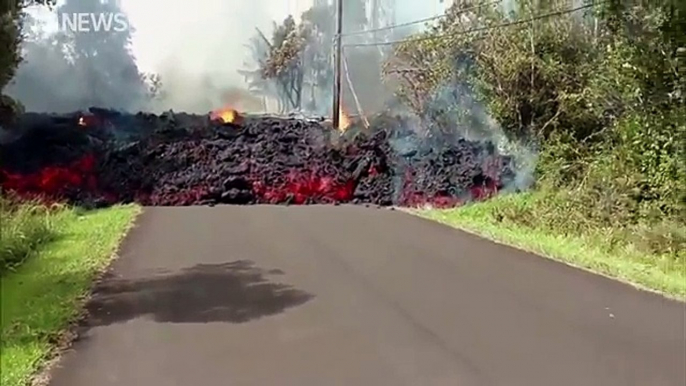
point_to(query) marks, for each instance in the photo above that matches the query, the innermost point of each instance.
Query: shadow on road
(234, 292)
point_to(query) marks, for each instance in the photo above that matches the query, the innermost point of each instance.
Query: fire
(343, 120)
(88, 121)
(226, 115)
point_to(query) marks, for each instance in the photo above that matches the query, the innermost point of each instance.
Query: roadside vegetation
(49, 257)
(49, 254)
(532, 222)
(599, 94)
(23, 229)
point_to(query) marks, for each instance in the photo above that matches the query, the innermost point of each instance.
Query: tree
(11, 21)
(67, 70)
(522, 73)
(259, 47)
(284, 64)
(104, 60)
(297, 60)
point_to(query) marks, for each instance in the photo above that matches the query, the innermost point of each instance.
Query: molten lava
(53, 182)
(226, 115)
(300, 187)
(268, 161)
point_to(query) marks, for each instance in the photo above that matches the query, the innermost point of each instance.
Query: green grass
(596, 250)
(43, 295)
(23, 228)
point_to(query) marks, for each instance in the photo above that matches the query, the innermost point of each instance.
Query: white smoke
(197, 47)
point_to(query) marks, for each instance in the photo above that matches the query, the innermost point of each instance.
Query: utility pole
(338, 48)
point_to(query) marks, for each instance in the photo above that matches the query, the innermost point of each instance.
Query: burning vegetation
(226, 115)
(344, 121)
(181, 159)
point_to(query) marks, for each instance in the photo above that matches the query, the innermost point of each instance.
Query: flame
(343, 120)
(88, 120)
(226, 115)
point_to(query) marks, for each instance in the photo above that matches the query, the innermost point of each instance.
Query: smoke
(65, 70)
(201, 47)
(453, 113)
(196, 48)
(365, 62)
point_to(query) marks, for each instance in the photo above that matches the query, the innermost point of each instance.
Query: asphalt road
(358, 296)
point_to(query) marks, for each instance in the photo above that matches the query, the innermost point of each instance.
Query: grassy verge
(40, 297)
(604, 251)
(23, 228)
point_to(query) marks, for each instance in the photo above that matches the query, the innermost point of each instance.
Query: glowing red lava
(301, 187)
(53, 182)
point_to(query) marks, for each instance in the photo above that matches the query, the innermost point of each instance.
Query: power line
(362, 32)
(478, 29)
(366, 31)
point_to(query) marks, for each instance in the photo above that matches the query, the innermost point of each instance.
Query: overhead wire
(477, 29)
(418, 21)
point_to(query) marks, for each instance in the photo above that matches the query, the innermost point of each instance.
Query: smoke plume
(196, 48)
(67, 70)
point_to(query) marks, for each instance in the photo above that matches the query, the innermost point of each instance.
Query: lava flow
(54, 182)
(183, 160)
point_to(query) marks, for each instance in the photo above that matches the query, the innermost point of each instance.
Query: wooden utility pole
(338, 48)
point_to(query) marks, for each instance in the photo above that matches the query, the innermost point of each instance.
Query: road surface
(326, 295)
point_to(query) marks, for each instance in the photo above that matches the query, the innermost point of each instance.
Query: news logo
(85, 22)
